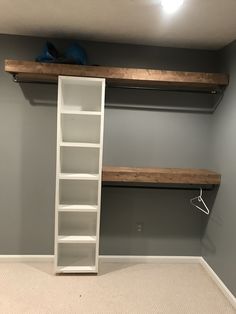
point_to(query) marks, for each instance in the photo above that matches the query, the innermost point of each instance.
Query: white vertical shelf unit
(80, 119)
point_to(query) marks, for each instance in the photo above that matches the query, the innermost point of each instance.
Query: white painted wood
(78, 176)
(71, 110)
(77, 144)
(58, 167)
(80, 120)
(26, 258)
(109, 259)
(102, 100)
(77, 208)
(148, 259)
(76, 239)
(76, 269)
(219, 282)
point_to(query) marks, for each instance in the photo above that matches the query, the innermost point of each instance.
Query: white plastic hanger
(200, 199)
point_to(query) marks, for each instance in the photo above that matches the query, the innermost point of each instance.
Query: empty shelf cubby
(73, 192)
(77, 224)
(79, 160)
(80, 128)
(81, 95)
(76, 255)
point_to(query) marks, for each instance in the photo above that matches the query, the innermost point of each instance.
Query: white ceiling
(198, 23)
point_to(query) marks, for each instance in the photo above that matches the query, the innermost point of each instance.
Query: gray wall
(132, 137)
(219, 239)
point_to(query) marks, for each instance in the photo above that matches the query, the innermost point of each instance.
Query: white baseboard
(107, 258)
(25, 258)
(219, 282)
(134, 259)
(148, 259)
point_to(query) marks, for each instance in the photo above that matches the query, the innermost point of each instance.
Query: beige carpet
(119, 288)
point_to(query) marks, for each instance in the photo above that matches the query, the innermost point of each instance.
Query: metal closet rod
(178, 90)
(162, 108)
(20, 81)
(133, 186)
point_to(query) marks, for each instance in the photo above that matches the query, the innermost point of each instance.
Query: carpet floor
(119, 289)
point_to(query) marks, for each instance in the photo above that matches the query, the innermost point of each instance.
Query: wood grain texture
(160, 175)
(116, 75)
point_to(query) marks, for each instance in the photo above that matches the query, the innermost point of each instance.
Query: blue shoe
(50, 54)
(75, 54)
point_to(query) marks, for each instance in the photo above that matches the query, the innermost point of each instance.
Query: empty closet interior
(182, 133)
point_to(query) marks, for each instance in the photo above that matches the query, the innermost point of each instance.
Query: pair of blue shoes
(74, 54)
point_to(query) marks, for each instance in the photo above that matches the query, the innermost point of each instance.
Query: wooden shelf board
(160, 176)
(35, 71)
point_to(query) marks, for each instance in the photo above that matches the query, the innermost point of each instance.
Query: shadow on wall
(40, 94)
(161, 100)
(46, 95)
(37, 137)
(169, 224)
(207, 243)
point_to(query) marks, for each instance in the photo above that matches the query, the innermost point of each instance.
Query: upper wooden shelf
(160, 176)
(46, 72)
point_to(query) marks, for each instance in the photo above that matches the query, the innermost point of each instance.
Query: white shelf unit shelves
(76, 239)
(80, 119)
(78, 208)
(81, 128)
(75, 144)
(78, 176)
(76, 269)
(85, 113)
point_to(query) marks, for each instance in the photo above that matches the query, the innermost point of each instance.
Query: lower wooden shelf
(160, 176)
